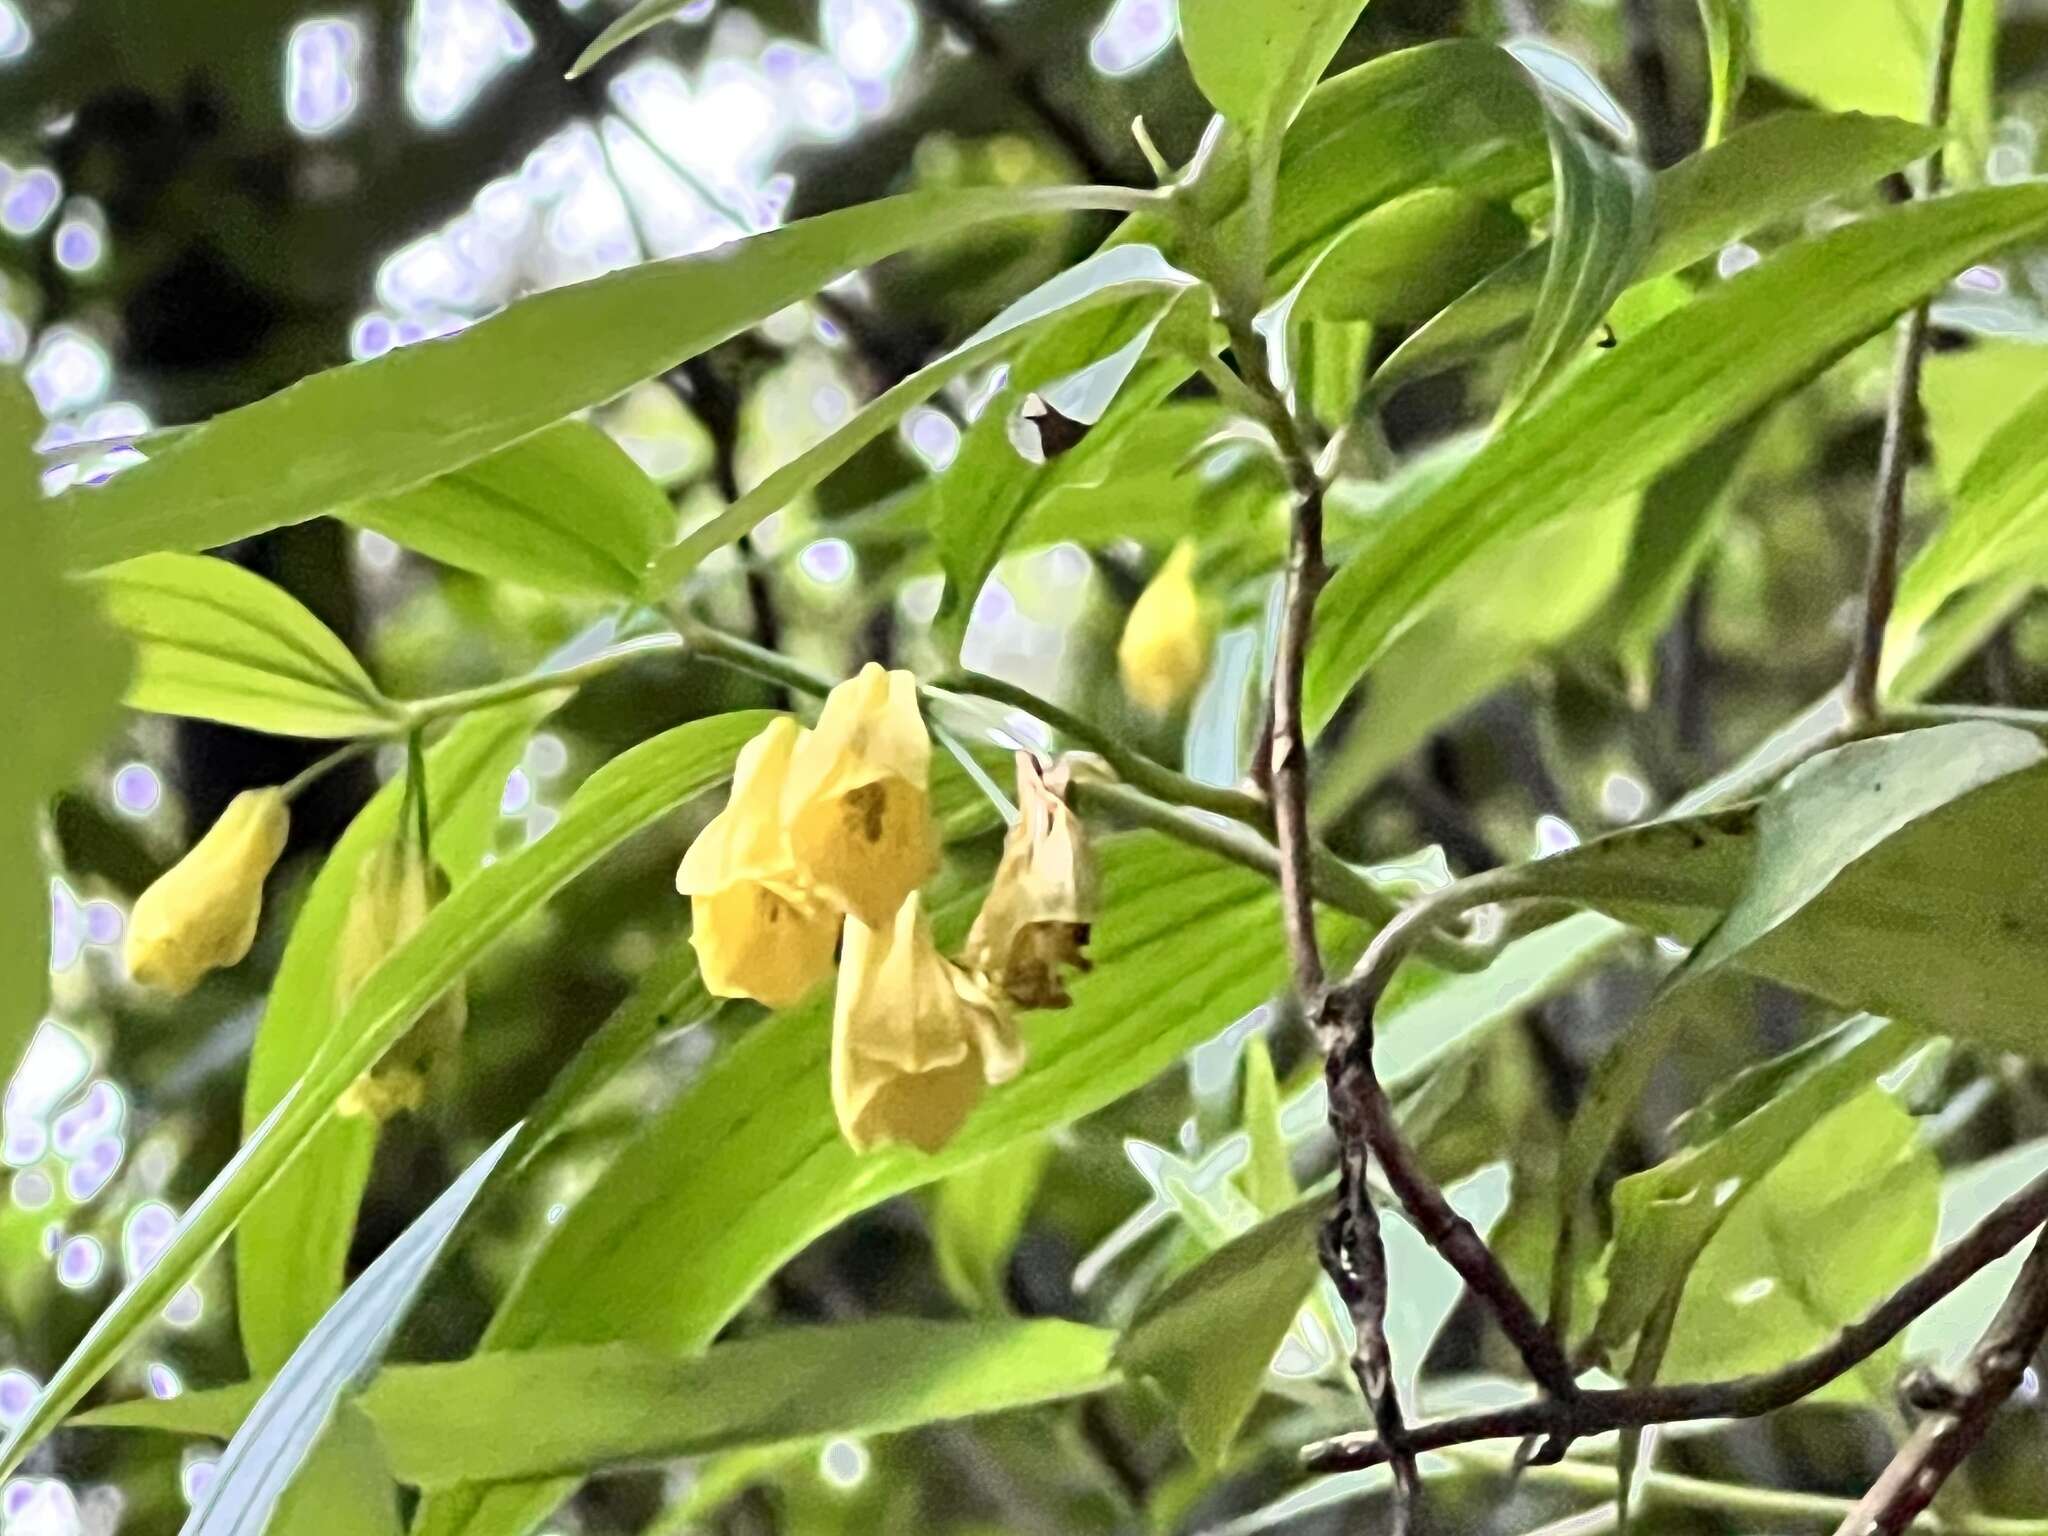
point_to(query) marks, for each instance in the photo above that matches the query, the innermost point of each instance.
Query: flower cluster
(826, 838)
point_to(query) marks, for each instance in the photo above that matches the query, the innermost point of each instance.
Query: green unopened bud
(396, 888)
(201, 915)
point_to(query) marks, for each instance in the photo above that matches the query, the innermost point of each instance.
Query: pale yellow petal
(747, 840)
(755, 940)
(856, 805)
(201, 915)
(1164, 653)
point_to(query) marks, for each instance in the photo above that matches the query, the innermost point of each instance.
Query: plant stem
(301, 781)
(1901, 422)
(1742, 1397)
(1134, 768)
(422, 712)
(1944, 1439)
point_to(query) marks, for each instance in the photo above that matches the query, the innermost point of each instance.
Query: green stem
(305, 777)
(422, 712)
(1134, 768)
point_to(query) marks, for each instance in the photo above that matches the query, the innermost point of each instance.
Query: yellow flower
(201, 914)
(1164, 653)
(396, 886)
(1036, 917)
(859, 816)
(914, 1037)
(758, 930)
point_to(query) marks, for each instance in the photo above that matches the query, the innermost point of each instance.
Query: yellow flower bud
(201, 915)
(757, 928)
(396, 886)
(1164, 653)
(857, 806)
(1035, 919)
(914, 1037)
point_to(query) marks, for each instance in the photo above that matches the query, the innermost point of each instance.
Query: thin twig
(1945, 1439)
(1901, 423)
(1742, 1397)
(1288, 763)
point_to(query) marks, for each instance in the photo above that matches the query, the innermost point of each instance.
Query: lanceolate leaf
(1598, 230)
(1764, 173)
(1727, 28)
(1209, 1337)
(384, 426)
(566, 510)
(1995, 526)
(219, 642)
(1654, 399)
(1256, 63)
(293, 1242)
(348, 1343)
(548, 1412)
(617, 801)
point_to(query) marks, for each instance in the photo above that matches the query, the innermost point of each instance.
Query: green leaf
(1654, 399)
(748, 1166)
(376, 428)
(1894, 874)
(1995, 526)
(544, 1413)
(1487, 628)
(1599, 229)
(1406, 259)
(1208, 1339)
(577, 1410)
(566, 510)
(215, 641)
(1862, 800)
(618, 800)
(976, 1218)
(643, 17)
(343, 1487)
(350, 1340)
(1666, 1215)
(51, 618)
(1123, 274)
(1268, 1178)
(1726, 23)
(1257, 63)
(294, 1240)
(1826, 1234)
(1759, 175)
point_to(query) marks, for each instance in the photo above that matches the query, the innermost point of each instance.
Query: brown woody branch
(1947, 1437)
(1742, 1397)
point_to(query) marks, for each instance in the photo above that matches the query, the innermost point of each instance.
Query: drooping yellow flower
(201, 914)
(1036, 917)
(914, 1037)
(859, 815)
(1164, 653)
(758, 930)
(396, 886)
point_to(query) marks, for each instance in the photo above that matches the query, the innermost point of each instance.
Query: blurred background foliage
(204, 200)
